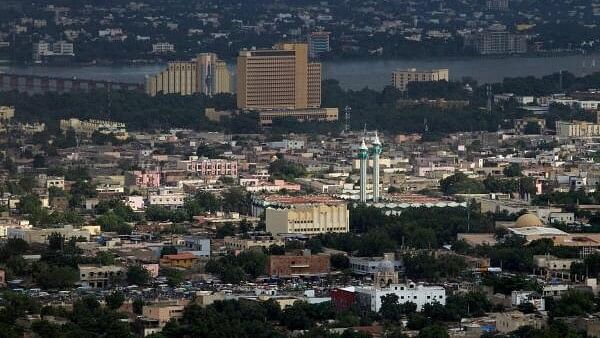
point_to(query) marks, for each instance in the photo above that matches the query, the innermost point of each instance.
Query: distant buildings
(88, 127)
(497, 40)
(162, 48)
(497, 5)
(206, 74)
(44, 51)
(280, 78)
(401, 78)
(6, 113)
(318, 43)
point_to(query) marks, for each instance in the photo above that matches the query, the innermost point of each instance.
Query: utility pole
(489, 98)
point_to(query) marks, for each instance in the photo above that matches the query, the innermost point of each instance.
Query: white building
(523, 297)
(415, 293)
(170, 198)
(163, 47)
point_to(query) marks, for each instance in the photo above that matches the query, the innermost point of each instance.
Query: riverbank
(372, 73)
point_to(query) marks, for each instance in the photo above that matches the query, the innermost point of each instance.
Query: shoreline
(338, 60)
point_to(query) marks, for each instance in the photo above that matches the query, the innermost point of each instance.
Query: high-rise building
(498, 40)
(206, 74)
(179, 78)
(213, 74)
(318, 43)
(280, 78)
(401, 78)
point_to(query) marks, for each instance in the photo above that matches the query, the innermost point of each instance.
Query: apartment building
(577, 129)
(169, 198)
(209, 167)
(498, 40)
(279, 78)
(401, 78)
(318, 43)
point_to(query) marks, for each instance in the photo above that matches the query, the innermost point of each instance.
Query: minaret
(376, 151)
(363, 154)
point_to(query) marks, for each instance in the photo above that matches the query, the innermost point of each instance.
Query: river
(363, 73)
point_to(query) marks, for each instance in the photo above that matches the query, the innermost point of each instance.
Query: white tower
(363, 154)
(376, 151)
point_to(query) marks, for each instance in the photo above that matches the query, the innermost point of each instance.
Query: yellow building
(280, 78)
(179, 78)
(401, 78)
(266, 117)
(184, 260)
(205, 74)
(306, 217)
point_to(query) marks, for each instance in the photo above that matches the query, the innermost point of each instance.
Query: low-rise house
(298, 265)
(38, 235)
(251, 241)
(185, 260)
(99, 276)
(369, 297)
(511, 321)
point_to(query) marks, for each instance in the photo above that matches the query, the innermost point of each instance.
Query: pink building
(210, 167)
(152, 268)
(145, 179)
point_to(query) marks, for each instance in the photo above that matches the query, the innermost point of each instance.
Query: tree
(114, 300)
(460, 183)
(390, 309)
(39, 161)
(30, 204)
(340, 262)
(168, 250)
(138, 306)
(54, 277)
(137, 275)
(433, 331)
(105, 258)
(513, 170)
(174, 276)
